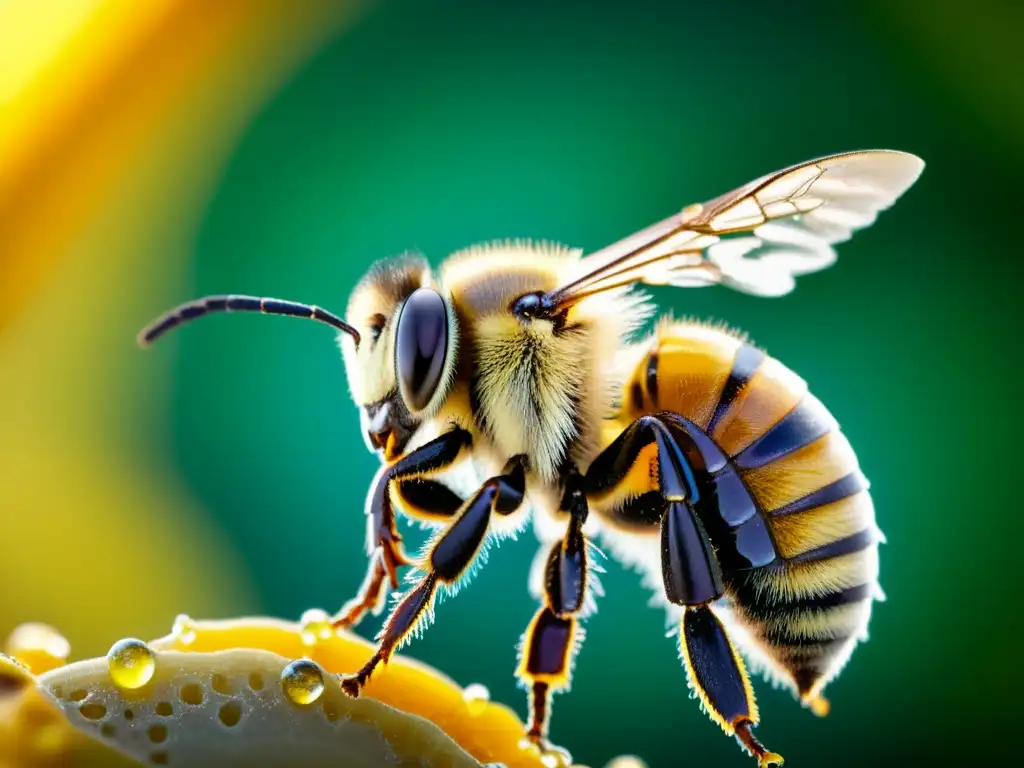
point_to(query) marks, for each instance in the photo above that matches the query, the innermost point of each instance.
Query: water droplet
(131, 663)
(476, 697)
(39, 647)
(627, 761)
(315, 625)
(184, 629)
(302, 681)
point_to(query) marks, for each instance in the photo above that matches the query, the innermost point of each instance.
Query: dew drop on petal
(37, 646)
(131, 663)
(555, 760)
(627, 761)
(476, 697)
(184, 629)
(302, 681)
(315, 625)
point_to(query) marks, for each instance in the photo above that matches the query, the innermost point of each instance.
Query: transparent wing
(757, 238)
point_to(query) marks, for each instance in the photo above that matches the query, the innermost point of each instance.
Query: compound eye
(421, 345)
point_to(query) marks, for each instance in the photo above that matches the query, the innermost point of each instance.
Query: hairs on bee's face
(406, 356)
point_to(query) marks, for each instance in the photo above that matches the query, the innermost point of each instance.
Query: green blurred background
(434, 125)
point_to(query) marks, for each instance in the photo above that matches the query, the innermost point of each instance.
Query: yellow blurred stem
(83, 118)
(70, 130)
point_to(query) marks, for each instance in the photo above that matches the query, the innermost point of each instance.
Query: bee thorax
(527, 393)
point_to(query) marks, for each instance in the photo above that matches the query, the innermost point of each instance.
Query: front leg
(383, 542)
(552, 639)
(451, 554)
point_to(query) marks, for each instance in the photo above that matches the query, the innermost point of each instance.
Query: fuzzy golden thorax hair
(530, 387)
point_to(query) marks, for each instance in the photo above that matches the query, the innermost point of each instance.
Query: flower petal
(229, 708)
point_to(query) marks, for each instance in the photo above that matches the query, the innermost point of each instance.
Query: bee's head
(400, 369)
(399, 343)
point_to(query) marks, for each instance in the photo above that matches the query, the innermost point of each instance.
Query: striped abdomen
(803, 609)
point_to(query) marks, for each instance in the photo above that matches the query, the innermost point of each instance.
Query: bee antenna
(191, 310)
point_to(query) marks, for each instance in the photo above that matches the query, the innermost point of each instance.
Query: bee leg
(383, 542)
(692, 577)
(552, 639)
(718, 676)
(422, 499)
(370, 596)
(451, 554)
(550, 644)
(612, 467)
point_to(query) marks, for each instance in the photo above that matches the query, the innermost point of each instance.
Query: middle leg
(552, 639)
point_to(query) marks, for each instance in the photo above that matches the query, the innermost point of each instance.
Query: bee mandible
(689, 454)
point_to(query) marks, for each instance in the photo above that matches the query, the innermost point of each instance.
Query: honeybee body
(788, 511)
(693, 455)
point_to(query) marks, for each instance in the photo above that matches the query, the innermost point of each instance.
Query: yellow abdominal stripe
(242, 691)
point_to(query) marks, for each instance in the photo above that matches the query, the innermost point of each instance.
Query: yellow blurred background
(115, 120)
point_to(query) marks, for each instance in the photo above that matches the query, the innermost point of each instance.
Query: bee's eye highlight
(421, 345)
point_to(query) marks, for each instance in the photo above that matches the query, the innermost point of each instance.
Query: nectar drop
(131, 663)
(315, 625)
(302, 681)
(184, 629)
(476, 697)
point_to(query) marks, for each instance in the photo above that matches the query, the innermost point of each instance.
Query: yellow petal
(221, 693)
(489, 731)
(228, 708)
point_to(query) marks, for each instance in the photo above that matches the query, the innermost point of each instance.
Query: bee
(690, 454)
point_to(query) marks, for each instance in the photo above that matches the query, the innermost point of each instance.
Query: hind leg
(719, 678)
(691, 573)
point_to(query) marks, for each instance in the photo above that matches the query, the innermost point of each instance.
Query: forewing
(759, 237)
